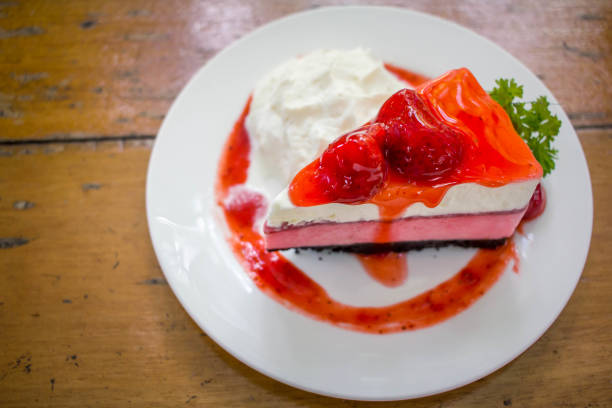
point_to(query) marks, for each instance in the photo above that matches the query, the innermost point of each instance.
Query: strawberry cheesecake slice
(440, 164)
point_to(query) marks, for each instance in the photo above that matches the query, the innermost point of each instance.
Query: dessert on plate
(439, 164)
(419, 163)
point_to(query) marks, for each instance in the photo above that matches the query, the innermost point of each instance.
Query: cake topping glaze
(447, 132)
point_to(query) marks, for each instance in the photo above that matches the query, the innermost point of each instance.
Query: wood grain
(108, 68)
(86, 318)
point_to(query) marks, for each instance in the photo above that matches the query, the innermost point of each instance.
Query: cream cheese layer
(467, 198)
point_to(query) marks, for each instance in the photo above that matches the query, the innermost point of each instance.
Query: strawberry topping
(422, 154)
(353, 167)
(418, 147)
(405, 140)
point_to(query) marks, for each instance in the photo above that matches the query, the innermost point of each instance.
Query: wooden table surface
(86, 317)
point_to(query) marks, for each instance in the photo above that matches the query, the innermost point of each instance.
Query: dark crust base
(371, 248)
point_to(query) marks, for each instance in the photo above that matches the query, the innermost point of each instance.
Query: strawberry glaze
(281, 280)
(389, 269)
(495, 154)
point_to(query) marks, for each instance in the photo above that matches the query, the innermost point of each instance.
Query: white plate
(187, 232)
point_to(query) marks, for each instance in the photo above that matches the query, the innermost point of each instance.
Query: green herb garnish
(536, 124)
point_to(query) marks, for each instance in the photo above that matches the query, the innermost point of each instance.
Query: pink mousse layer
(440, 228)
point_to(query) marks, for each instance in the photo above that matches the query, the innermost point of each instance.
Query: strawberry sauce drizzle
(456, 108)
(389, 269)
(287, 284)
(409, 77)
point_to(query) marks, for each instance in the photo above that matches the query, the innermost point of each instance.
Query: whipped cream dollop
(307, 102)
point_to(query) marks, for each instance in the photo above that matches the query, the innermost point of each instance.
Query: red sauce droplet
(537, 204)
(287, 284)
(516, 265)
(234, 162)
(410, 77)
(535, 208)
(389, 269)
(245, 206)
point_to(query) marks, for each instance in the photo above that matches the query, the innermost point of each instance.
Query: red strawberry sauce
(389, 269)
(281, 280)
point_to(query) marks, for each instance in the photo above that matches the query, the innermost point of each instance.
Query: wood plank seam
(17, 142)
(125, 138)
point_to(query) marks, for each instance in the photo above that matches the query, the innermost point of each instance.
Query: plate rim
(235, 353)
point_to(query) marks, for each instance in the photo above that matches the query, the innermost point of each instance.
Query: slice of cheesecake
(441, 164)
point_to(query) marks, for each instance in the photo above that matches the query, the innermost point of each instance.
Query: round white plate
(188, 232)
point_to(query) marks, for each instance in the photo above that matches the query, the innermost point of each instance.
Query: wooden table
(86, 317)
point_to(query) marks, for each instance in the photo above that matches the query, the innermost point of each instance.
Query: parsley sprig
(533, 121)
